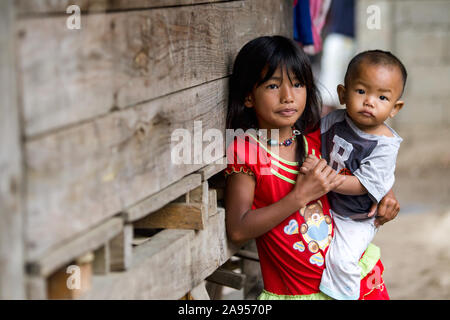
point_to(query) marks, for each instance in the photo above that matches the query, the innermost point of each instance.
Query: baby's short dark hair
(377, 57)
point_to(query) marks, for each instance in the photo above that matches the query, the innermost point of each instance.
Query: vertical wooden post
(121, 249)
(102, 263)
(12, 285)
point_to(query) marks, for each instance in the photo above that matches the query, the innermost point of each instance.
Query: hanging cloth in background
(302, 23)
(309, 19)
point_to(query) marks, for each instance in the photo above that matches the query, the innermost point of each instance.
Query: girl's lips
(287, 112)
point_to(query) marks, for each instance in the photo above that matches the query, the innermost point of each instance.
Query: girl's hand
(309, 163)
(315, 183)
(388, 208)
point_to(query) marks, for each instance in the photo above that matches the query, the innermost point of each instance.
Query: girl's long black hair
(269, 53)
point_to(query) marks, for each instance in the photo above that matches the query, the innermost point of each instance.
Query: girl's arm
(244, 224)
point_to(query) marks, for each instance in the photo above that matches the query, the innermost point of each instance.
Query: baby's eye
(272, 86)
(360, 91)
(384, 98)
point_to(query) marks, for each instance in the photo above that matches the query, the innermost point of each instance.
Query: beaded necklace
(287, 142)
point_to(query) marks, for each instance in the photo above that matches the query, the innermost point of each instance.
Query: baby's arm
(351, 185)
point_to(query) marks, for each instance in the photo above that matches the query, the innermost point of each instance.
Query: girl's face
(278, 102)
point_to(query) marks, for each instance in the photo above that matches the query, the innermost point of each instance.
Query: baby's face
(372, 94)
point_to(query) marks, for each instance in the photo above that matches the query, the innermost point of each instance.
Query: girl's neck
(283, 133)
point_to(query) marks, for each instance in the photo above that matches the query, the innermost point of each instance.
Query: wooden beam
(36, 288)
(12, 206)
(162, 198)
(59, 284)
(170, 264)
(247, 254)
(212, 169)
(30, 7)
(175, 216)
(199, 292)
(228, 278)
(212, 205)
(121, 249)
(63, 254)
(102, 260)
(254, 284)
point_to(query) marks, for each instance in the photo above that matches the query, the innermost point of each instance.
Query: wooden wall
(98, 105)
(11, 167)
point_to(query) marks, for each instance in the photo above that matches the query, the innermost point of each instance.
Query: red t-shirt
(292, 253)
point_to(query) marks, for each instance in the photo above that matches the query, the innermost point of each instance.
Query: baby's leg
(342, 275)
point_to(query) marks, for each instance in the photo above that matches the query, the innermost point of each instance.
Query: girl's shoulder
(242, 146)
(246, 153)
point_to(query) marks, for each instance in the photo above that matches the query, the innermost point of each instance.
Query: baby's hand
(309, 163)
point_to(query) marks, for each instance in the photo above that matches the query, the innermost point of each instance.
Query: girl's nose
(286, 94)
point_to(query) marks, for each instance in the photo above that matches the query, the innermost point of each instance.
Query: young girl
(272, 88)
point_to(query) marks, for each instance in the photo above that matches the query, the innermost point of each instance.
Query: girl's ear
(341, 94)
(248, 102)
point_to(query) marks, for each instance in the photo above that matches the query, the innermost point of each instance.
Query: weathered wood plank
(95, 170)
(60, 285)
(248, 254)
(76, 247)
(160, 199)
(189, 213)
(102, 260)
(228, 278)
(175, 216)
(26, 7)
(199, 292)
(212, 202)
(121, 59)
(12, 282)
(121, 249)
(172, 263)
(213, 169)
(253, 285)
(36, 288)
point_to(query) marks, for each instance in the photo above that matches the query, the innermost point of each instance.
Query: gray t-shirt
(369, 157)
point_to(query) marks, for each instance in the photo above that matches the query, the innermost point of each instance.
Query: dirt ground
(415, 247)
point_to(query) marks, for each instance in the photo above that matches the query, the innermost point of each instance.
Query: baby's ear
(341, 93)
(397, 106)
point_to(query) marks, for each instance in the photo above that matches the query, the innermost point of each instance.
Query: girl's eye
(272, 86)
(298, 85)
(383, 98)
(360, 91)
